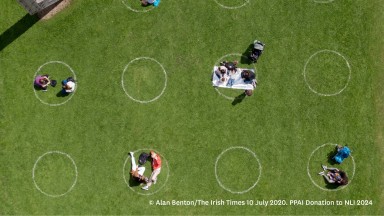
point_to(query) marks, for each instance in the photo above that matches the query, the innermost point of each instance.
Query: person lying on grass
(334, 176)
(137, 171)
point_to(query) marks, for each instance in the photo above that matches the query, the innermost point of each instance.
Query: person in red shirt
(156, 168)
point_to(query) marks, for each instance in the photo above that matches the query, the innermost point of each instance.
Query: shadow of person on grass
(37, 88)
(61, 93)
(132, 182)
(330, 185)
(238, 99)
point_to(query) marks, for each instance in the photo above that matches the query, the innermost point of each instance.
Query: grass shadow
(22, 25)
(17, 29)
(238, 99)
(329, 185)
(37, 88)
(132, 182)
(61, 93)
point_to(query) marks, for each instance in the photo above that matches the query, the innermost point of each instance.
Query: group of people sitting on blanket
(43, 81)
(334, 175)
(137, 170)
(227, 72)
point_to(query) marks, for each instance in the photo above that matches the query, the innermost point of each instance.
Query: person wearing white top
(222, 74)
(70, 87)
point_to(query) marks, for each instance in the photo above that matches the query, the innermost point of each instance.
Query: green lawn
(143, 82)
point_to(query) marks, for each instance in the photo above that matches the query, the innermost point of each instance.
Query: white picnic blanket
(238, 82)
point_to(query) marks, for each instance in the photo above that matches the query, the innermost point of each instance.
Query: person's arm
(328, 179)
(333, 169)
(48, 81)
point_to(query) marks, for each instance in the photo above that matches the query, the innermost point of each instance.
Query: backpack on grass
(257, 50)
(143, 158)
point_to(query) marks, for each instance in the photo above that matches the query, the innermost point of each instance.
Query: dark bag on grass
(53, 83)
(143, 158)
(70, 79)
(257, 50)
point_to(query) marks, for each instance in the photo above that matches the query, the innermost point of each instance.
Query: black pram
(257, 50)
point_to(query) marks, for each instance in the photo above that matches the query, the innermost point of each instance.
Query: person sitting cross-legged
(249, 77)
(42, 82)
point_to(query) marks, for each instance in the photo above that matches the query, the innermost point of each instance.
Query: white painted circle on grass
(127, 181)
(323, 94)
(323, 1)
(236, 148)
(223, 58)
(233, 7)
(326, 189)
(39, 69)
(34, 168)
(137, 11)
(165, 82)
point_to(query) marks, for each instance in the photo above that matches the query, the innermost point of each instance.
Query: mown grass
(191, 124)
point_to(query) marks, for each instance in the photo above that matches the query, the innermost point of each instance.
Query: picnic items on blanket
(233, 79)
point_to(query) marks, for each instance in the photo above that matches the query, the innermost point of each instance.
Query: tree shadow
(245, 56)
(330, 156)
(238, 99)
(17, 29)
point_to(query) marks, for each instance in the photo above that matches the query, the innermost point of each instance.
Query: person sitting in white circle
(69, 85)
(222, 74)
(147, 2)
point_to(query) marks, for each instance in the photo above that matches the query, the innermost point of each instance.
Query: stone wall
(34, 6)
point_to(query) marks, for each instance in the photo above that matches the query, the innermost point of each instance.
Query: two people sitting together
(334, 175)
(43, 81)
(137, 171)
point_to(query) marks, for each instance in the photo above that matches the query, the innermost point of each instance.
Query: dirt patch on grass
(54, 9)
